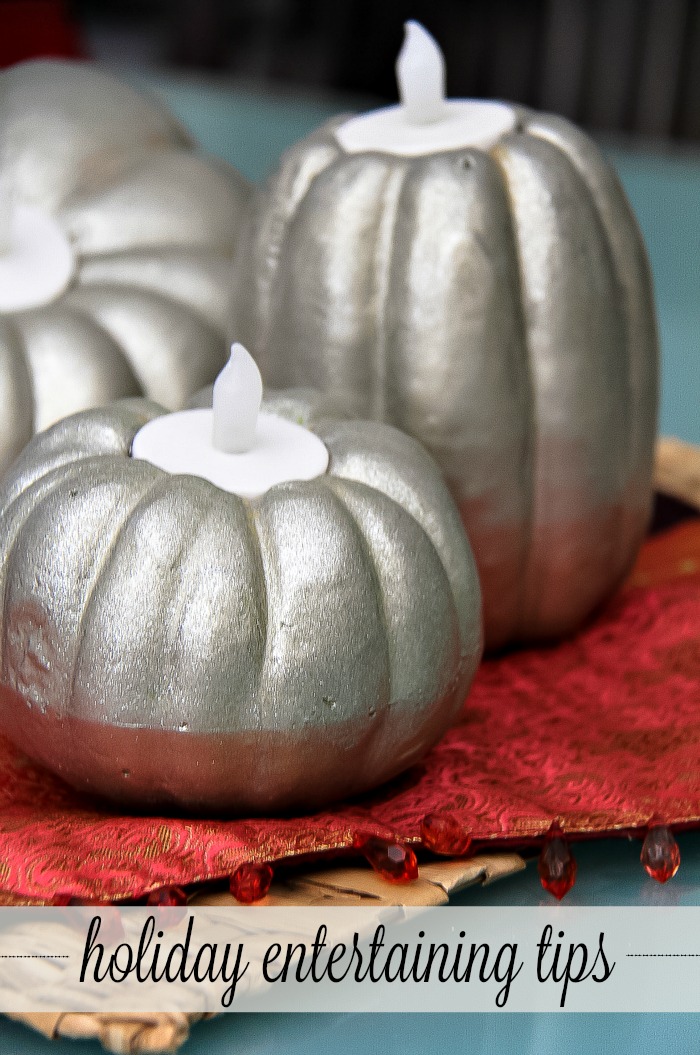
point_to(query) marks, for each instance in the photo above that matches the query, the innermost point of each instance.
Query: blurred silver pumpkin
(497, 305)
(166, 643)
(151, 226)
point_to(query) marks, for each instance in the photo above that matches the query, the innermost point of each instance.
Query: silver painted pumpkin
(497, 305)
(165, 643)
(152, 227)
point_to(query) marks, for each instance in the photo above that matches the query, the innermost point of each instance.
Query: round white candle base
(36, 260)
(466, 123)
(182, 443)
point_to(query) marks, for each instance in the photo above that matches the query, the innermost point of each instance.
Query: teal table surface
(251, 131)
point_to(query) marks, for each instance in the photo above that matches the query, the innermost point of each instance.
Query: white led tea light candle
(425, 122)
(234, 445)
(36, 259)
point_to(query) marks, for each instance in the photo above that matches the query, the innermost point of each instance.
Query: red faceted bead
(167, 896)
(660, 854)
(557, 865)
(251, 882)
(443, 834)
(170, 898)
(391, 860)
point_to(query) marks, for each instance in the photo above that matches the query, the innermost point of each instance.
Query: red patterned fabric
(601, 732)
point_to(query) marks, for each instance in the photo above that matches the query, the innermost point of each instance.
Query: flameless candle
(233, 445)
(425, 122)
(36, 259)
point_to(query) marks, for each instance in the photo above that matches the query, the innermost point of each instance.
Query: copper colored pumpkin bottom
(542, 585)
(238, 773)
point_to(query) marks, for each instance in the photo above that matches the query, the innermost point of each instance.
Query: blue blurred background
(626, 65)
(249, 77)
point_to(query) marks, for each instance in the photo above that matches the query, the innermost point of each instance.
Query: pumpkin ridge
(128, 314)
(441, 668)
(53, 317)
(530, 459)
(312, 255)
(446, 385)
(48, 482)
(426, 510)
(377, 498)
(208, 495)
(126, 512)
(138, 210)
(331, 482)
(17, 391)
(344, 626)
(254, 525)
(35, 497)
(541, 172)
(384, 261)
(634, 279)
(110, 433)
(130, 268)
(623, 463)
(295, 170)
(111, 288)
(42, 93)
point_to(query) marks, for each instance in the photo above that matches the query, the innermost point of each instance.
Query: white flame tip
(413, 28)
(420, 72)
(236, 402)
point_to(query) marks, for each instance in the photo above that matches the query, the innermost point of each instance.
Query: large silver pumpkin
(152, 226)
(497, 305)
(165, 643)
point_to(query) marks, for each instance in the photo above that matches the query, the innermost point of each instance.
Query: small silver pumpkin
(165, 643)
(151, 225)
(495, 303)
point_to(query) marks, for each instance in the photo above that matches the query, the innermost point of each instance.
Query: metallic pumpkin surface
(497, 305)
(152, 225)
(168, 644)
